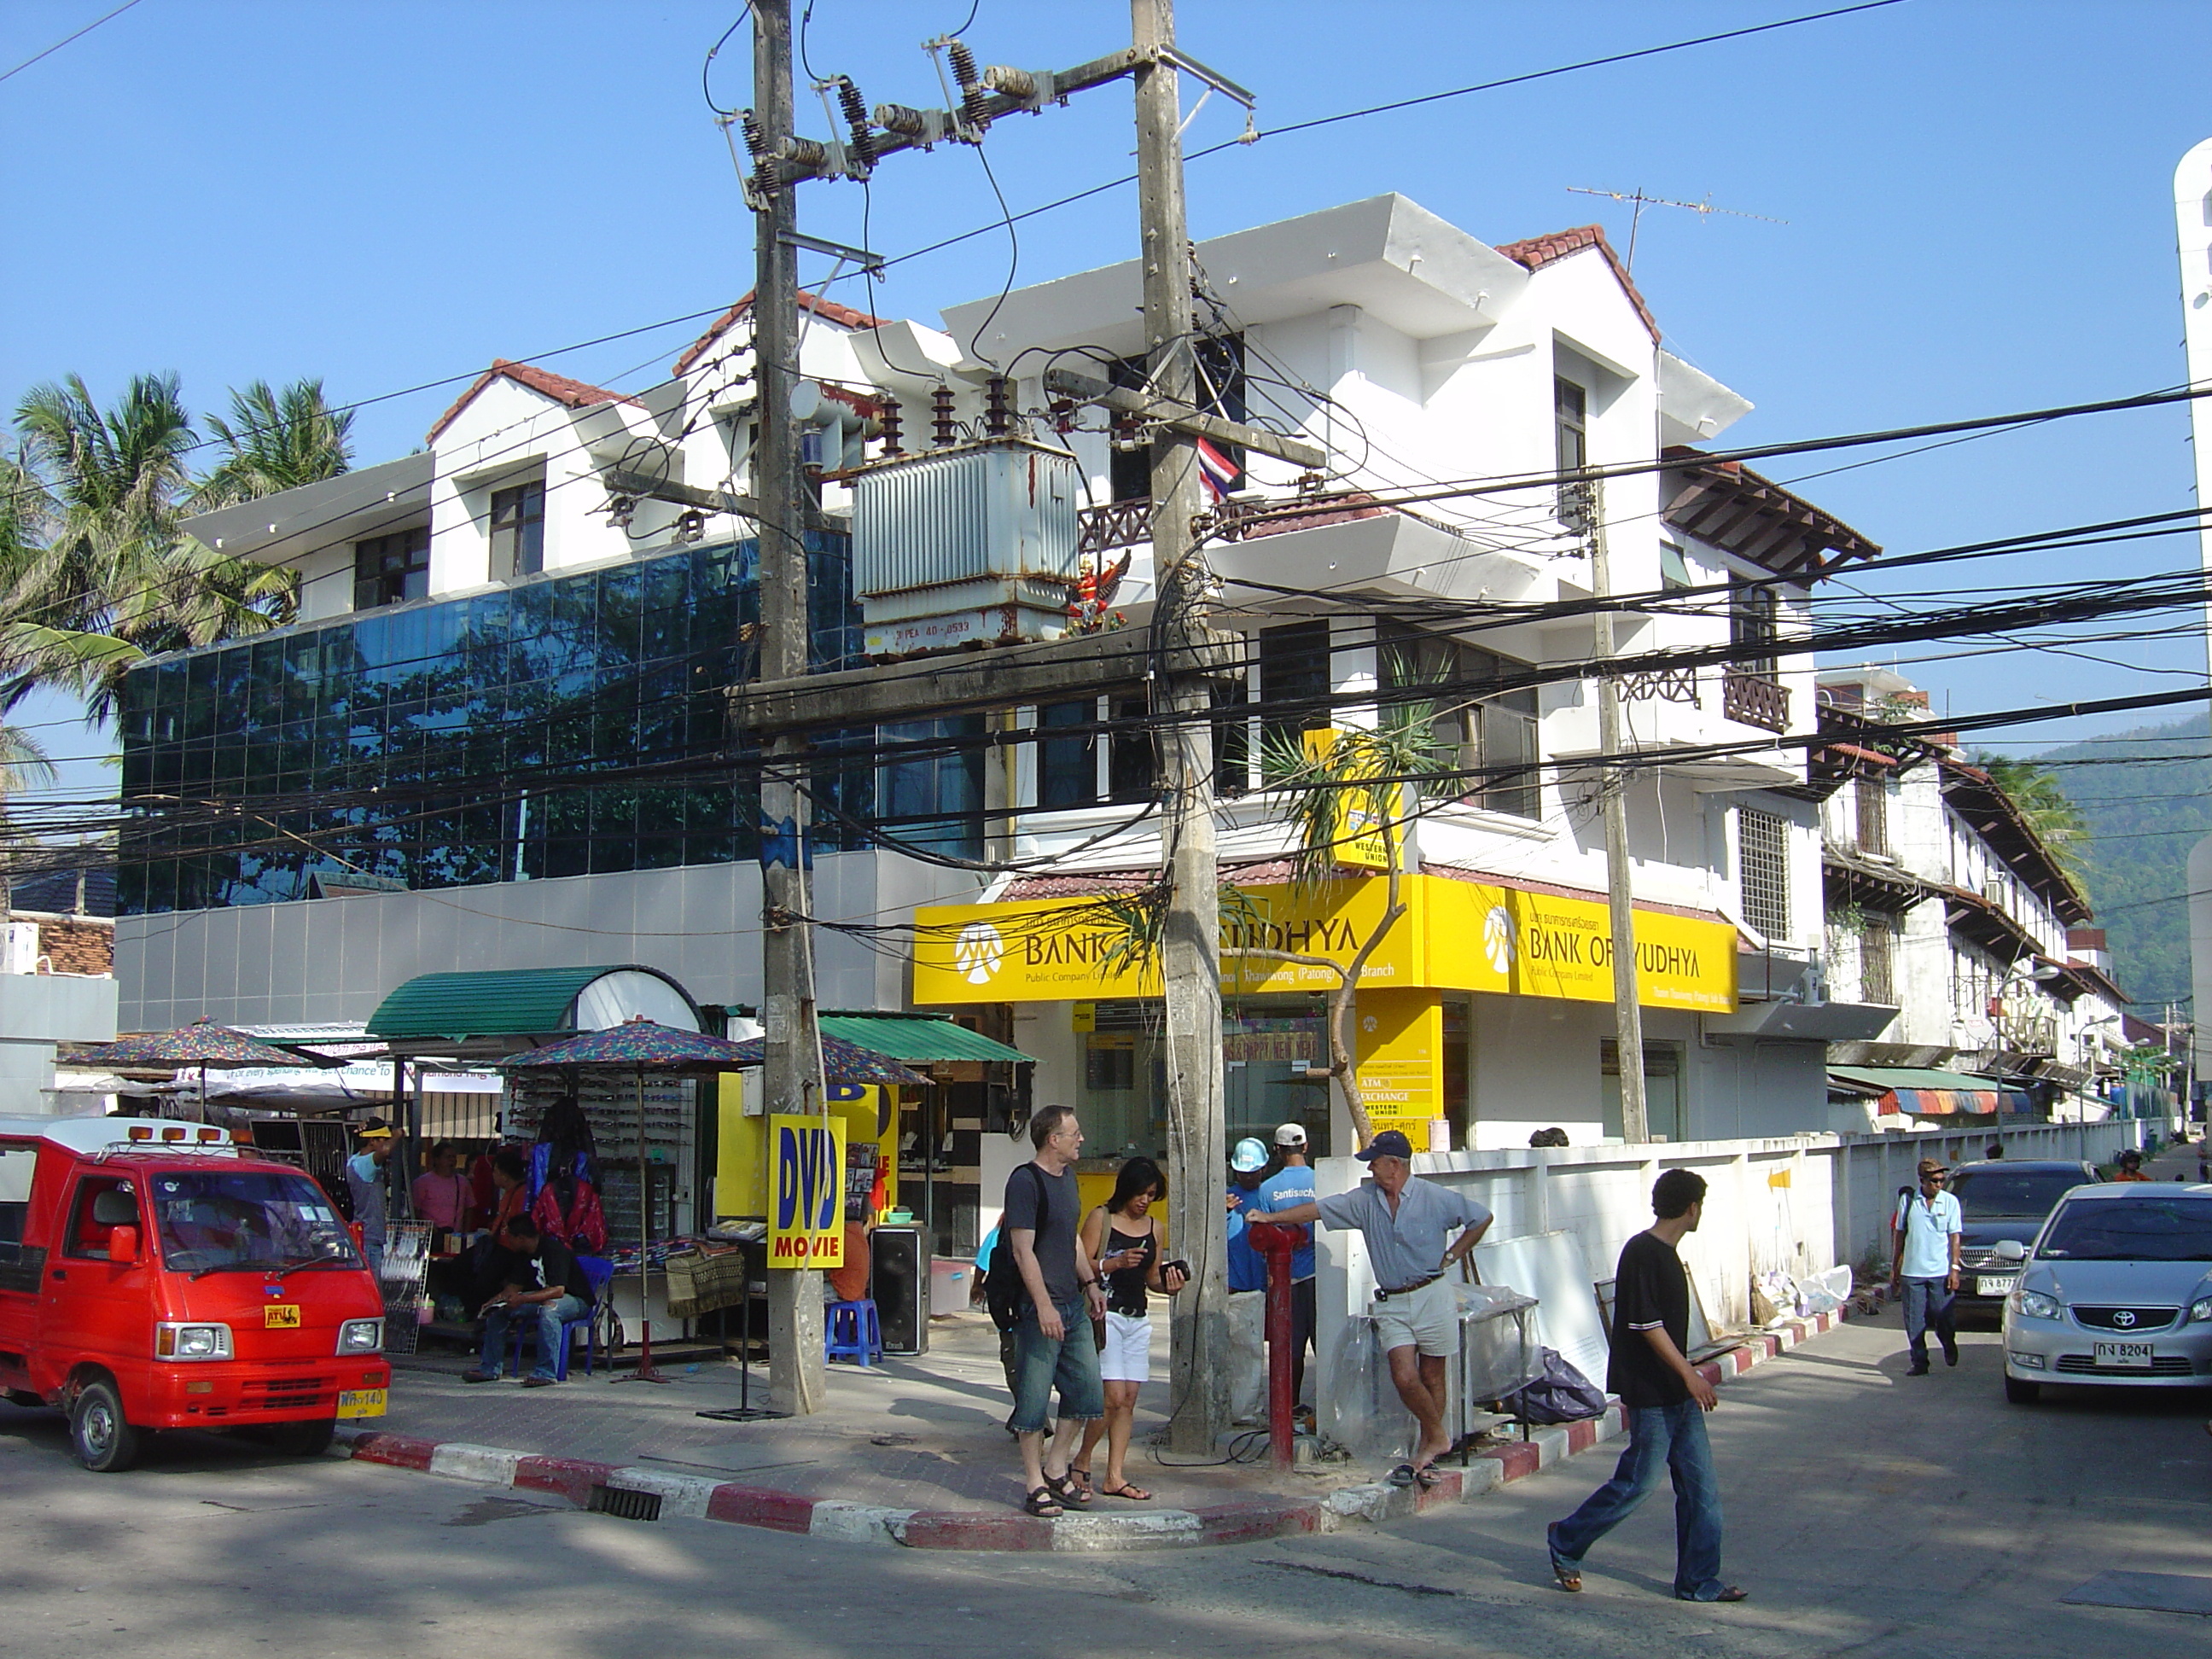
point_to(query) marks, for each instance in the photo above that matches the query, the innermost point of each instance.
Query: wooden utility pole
(1190, 951)
(791, 1078)
(1612, 796)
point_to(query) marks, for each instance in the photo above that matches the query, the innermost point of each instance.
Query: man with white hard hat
(1293, 1184)
(1247, 1286)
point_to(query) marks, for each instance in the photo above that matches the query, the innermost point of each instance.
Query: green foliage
(2042, 801)
(275, 441)
(2143, 818)
(95, 574)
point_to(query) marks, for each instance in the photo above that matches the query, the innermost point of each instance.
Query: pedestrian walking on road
(1122, 1238)
(1403, 1221)
(1925, 1262)
(1666, 1401)
(1053, 1346)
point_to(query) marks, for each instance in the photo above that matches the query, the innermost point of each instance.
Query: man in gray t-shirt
(1404, 1222)
(1053, 1346)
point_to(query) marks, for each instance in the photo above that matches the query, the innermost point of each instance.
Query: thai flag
(1218, 472)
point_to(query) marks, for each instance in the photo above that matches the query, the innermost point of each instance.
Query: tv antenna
(1641, 201)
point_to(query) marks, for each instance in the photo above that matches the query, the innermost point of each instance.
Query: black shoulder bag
(1004, 1294)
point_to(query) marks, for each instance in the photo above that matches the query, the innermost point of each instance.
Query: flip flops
(1135, 1494)
(1403, 1475)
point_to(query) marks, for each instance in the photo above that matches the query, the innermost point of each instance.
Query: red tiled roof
(576, 394)
(828, 310)
(1537, 251)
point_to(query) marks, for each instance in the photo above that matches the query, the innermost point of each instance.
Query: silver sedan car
(2117, 1288)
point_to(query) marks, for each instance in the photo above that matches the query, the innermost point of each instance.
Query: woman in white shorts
(1124, 1238)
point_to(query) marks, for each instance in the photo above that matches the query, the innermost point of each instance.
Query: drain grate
(624, 1503)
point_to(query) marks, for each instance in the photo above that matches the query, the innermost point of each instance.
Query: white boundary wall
(1802, 1204)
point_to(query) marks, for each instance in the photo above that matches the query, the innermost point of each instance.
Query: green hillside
(2144, 815)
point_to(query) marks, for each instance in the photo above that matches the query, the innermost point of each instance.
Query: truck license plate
(361, 1402)
(281, 1316)
(1995, 1284)
(2126, 1356)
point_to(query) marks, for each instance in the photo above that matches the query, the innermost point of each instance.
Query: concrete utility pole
(1612, 796)
(1190, 956)
(791, 1073)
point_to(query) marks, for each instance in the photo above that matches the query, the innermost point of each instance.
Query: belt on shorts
(1408, 1289)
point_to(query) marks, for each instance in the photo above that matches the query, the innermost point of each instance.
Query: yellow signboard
(1063, 950)
(1397, 1061)
(1456, 935)
(806, 1209)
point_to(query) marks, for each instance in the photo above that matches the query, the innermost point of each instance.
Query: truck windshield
(212, 1219)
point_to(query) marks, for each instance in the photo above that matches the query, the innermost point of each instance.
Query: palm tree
(23, 763)
(2049, 812)
(94, 574)
(276, 441)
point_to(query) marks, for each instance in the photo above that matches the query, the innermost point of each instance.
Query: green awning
(923, 1037)
(1882, 1078)
(504, 1002)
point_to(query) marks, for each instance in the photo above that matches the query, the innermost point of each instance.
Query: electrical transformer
(973, 544)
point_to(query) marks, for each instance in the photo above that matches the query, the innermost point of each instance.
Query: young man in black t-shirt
(541, 1285)
(1666, 1401)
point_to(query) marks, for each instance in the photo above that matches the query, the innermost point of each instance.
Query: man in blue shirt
(1248, 1280)
(1293, 1184)
(366, 1185)
(1927, 1265)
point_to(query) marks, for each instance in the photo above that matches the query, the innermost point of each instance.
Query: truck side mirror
(2010, 1249)
(122, 1246)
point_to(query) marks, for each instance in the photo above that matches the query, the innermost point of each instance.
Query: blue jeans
(1928, 1302)
(1071, 1363)
(548, 1316)
(1672, 1437)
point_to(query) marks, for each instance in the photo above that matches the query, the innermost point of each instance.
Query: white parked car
(2117, 1290)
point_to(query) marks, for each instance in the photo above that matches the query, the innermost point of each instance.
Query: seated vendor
(542, 1283)
(441, 1192)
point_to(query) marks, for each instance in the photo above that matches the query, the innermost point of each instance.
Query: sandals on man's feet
(1570, 1578)
(1072, 1492)
(1041, 1503)
(1403, 1475)
(1082, 1479)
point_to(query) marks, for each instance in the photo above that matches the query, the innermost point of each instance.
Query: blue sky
(386, 192)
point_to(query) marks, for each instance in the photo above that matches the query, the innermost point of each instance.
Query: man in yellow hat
(365, 1182)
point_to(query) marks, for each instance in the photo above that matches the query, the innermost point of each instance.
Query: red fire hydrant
(1276, 1244)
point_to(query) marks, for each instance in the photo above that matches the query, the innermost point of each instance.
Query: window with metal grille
(1874, 815)
(1876, 960)
(1763, 871)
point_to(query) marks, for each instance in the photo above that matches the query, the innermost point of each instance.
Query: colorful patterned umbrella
(844, 1062)
(201, 1043)
(637, 1045)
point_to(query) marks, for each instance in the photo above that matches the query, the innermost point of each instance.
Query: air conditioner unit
(969, 545)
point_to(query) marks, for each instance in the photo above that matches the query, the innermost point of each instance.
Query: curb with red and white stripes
(578, 1481)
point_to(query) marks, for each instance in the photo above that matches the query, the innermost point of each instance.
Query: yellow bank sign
(1456, 935)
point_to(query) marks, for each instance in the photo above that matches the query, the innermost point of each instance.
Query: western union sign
(1456, 935)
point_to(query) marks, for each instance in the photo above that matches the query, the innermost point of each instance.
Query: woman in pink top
(441, 1192)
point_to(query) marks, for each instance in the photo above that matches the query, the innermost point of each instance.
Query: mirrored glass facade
(453, 742)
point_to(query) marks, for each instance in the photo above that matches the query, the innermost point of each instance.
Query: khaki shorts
(1427, 1319)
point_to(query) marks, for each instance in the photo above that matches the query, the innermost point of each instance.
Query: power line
(40, 57)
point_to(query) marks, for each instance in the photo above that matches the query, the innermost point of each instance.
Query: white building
(1942, 899)
(494, 739)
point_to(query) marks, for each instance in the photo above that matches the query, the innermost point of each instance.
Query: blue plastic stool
(851, 1330)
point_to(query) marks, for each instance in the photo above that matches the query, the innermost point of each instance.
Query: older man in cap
(1925, 1263)
(1404, 1220)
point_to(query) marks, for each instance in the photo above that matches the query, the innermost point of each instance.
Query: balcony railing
(1754, 700)
(1117, 524)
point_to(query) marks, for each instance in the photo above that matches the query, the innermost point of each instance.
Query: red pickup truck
(152, 1276)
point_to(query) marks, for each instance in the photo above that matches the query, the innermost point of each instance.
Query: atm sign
(806, 1221)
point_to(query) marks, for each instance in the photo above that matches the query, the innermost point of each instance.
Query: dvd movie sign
(806, 1209)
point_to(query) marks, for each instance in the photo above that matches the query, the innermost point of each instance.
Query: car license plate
(361, 1402)
(2126, 1356)
(281, 1316)
(1995, 1284)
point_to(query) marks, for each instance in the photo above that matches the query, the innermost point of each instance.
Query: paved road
(1868, 1513)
